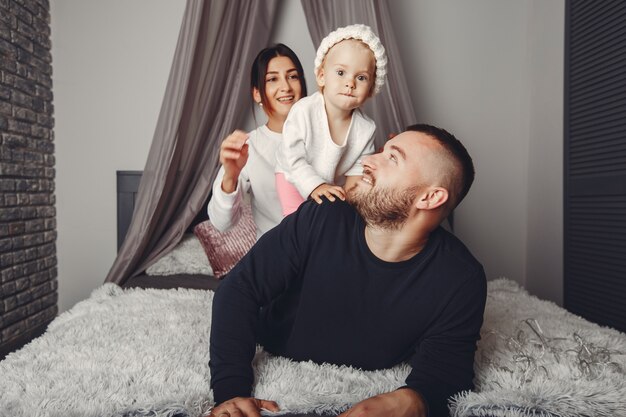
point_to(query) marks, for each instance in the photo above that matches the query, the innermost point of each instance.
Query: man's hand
(243, 407)
(403, 402)
(328, 191)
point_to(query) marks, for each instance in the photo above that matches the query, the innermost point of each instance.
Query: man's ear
(431, 199)
(256, 95)
(319, 77)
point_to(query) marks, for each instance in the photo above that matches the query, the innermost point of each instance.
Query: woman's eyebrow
(276, 72)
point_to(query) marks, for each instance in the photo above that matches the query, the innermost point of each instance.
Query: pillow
(187, 257)
(225, 249)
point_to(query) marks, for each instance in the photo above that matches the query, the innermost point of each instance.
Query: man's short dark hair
(457, 151)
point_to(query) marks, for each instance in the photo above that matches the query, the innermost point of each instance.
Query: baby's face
(347, 74)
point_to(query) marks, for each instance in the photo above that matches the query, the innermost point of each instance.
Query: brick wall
(28, 271)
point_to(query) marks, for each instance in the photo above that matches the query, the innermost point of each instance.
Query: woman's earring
(260, 104)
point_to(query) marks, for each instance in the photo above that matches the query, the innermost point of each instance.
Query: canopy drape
(207, 89)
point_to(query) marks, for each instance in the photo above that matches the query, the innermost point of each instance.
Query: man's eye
(393, 158)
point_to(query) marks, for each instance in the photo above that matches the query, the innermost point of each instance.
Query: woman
(248, 159)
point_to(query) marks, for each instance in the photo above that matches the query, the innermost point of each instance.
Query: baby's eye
(340, 72)
(362, 78)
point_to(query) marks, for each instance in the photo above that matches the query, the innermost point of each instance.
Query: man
(369, 285)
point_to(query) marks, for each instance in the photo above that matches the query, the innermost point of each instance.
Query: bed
(184, 267)
(142, 350)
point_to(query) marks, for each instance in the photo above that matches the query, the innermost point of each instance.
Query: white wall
(545, 159)
(490, 71)
(111, 60)
(467, 69)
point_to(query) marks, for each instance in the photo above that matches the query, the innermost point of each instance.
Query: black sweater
(311, 289)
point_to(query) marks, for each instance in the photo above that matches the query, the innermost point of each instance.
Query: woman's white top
(257, 179)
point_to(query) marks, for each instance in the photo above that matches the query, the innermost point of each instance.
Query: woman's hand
(243, 406)
(233, 157)
(329, 191)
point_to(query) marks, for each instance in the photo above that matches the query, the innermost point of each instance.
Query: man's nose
(369, 161)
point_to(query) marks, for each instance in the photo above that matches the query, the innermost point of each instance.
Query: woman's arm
(224, 209)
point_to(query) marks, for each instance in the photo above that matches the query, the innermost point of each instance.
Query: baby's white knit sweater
(308, 157)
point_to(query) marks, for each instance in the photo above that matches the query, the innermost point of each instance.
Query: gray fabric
(207, 88)
(391, 109)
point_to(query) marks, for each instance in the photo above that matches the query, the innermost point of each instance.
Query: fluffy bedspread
(145, 353)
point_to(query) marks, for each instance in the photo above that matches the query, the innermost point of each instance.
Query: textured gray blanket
(145, 353)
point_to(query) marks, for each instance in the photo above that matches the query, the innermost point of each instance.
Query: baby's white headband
(364, 34)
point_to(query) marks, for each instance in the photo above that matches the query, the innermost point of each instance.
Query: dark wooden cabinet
(595, 161)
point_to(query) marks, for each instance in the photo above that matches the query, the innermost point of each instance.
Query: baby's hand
(329, 191)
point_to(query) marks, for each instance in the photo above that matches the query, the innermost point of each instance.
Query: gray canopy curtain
(392, 108)
(207, 89)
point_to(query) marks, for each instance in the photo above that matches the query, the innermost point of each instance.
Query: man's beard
(383, 208)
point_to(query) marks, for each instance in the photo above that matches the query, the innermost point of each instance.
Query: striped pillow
(225, 249)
